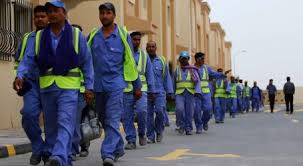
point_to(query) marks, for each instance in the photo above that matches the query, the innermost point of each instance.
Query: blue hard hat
(56, 3)
(184, 54)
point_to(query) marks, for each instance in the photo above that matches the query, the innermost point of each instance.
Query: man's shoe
(222, 121)
(84, 153)
(199, 131)
(217, 121)
(142, 141)
(73, 157)
(189, 133)
(205, 127)
(167, 125)
(53, 162)
(130, 146)
(181, 131)
(119, 155)
(35, 159)
(150, 141)
(108, 162)
(159, 137)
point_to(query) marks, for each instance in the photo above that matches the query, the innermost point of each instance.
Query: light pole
(234, 62)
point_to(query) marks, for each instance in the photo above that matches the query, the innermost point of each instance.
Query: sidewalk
(13, 142)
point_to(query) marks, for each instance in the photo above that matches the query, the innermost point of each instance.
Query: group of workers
(59, 72)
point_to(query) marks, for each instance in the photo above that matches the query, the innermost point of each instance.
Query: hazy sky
(271, 31)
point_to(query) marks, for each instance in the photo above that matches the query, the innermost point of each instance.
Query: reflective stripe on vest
(220, 90)
(72, 80)
(130, 72)
(204, 80)
(233, 91)
(181, 84)
(162, 59)
(246, 91)
(22, 50)
(142, 62)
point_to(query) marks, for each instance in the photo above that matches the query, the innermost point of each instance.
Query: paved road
(254, 139)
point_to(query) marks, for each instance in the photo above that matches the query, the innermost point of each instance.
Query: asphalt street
(253, 139)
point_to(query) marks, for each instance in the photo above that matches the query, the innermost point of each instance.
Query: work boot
(73, 157)
(180, 131)
(84, 153)
(130, 146)
(189, 133)
(119, 155)
(142, 140)
(108, 162)
(53, 162)
(150, 141)
(159, 137)
(199, 131)
(205, 127)
(35, 159)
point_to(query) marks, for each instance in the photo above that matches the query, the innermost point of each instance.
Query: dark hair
(271, 80)
(136, 33)
(288, 78)
(39, 8)
(107, 6)
(77, 26)
(220, 70)
(199, 54)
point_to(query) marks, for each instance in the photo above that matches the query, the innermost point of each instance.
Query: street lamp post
(234, 62)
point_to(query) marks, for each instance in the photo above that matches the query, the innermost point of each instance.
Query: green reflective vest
(246, 91)
(142, 62)
(220, 90)
(130, 72)
(22, 50)
(162, 59)
(70, 81)
(233, 90)
(204, 80)
(181, 84)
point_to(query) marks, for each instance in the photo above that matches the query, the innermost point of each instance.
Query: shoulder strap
(76, 32)
(163, 65)
(92, 34)
(38, 38)
(23, 46)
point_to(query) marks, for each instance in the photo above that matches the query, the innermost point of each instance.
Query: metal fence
(15, 20)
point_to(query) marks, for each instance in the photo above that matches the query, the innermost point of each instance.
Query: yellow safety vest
(70, 81)
(142, 63)
(204, 80)
(220, 90)
(130, 72)
(181, 84)
(246, 91)
(233, 91)
(22, 50)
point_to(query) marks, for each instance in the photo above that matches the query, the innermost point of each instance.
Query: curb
(13, 150)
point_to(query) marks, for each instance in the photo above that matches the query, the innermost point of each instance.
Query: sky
(271, 33)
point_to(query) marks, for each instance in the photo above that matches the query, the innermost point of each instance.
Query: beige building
(175, 25)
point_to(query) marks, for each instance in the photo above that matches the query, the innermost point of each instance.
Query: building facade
(175, 25)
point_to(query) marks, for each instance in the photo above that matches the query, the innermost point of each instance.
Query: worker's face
(270, 82)
(136, 41)
(151, 48)
(40, 20)
(255, 84)
(56, 15)
(200, 60)
(232, 79)
(245, 83)
(183, 61)
(107, 17)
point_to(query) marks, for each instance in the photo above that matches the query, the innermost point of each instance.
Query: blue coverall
(256, 98)
(221, 102)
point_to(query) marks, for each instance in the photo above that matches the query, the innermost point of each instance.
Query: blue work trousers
(109, 106)
(232, 106)
(155, 115)
(184, 110)
(60, 111)
(30, 118)
(246, 104)
(255, 104)
(202, 111)
(220, 108)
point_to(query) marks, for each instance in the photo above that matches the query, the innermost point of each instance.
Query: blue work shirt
(149, 73)
(32, 74)
(256, 92)
(108, 58)
(85, 61)
(211, 73)
(184, 74)
(239, 91)
(271, 89)
(161, 84)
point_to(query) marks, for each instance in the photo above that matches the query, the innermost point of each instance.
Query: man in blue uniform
(232, 97)
(61, 54)
(272, 91)
(114, 67)
(204, 104)
(246, 97)
(256, 96)
(186, 82)
(157, 101)
(132, 106)
(31, 99)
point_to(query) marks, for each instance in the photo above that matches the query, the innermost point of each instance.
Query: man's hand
(228, 71)
(18, 84)
(88, 96)
(138, 94)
